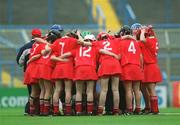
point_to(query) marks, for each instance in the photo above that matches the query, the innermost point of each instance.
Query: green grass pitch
(14, 116)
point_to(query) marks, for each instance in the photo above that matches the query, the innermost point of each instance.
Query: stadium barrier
(13, 97)
(161, 91)
(176, 94)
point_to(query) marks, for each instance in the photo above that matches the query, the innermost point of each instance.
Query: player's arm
(141, 61)
(54, 58)
(65, 55)
(142, 35)
(103, 51)
(127, 37)
(46, 50)
(40, 40)
(21, 59)
(33, 58)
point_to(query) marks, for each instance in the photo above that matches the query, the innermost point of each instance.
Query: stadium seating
(150, 11)
(44, 12)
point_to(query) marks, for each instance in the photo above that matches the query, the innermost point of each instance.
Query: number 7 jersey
(130, 52)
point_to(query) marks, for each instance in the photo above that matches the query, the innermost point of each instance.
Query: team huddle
(80, 61)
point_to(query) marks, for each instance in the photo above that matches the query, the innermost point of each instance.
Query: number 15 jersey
(130, 52)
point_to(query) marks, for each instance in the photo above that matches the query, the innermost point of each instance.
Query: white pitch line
(170, 113)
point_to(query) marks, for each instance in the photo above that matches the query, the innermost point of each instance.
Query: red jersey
(85, 55)
(130, 52)
(46, 59)
(111, 45)
(64, 45)
(149, 50)
(35, 50)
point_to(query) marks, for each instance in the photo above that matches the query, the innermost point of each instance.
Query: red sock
(137, 109)
(130, 110)
(68, 109)
(31, 106)
(90, 106)
(56, 108)
(100, 110)
(32, 109)
(41, 106)
(154, 104)
(78, 107)
(46, 107)
(115, 111)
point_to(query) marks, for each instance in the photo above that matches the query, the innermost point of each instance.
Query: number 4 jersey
(130, 52)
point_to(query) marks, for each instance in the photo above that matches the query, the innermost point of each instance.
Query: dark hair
(53, 35)
(125, 30)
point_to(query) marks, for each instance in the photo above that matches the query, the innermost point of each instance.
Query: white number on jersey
(157, 48)
(132, 48)
(107, 45)
(83, 52)
(62, 48)
(36, 45)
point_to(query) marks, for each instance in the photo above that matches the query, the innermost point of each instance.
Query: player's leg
(115, 91)
(153, 98)
(68, 88)
(47, 96)
(41, 97)
(34, 95)
(79, 89)
(56, 95)
(129, 96)
(122, 101)
(137, 93)
(103, 93)
(146, 97)
(90, 96)
(26, 110)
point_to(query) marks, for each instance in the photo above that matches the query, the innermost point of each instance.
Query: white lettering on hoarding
(13, 101)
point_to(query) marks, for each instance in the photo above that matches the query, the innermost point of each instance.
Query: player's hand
(28, 62)
(64, 60)
(117, 56)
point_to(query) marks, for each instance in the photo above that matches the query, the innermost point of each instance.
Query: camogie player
(44, 72)
(136, 28)
(109, 68)
(152, 74)
(132, 74)
(35, 54)
(23, 56)
(63, 72)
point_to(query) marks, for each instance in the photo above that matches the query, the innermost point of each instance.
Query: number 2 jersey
(109, 65)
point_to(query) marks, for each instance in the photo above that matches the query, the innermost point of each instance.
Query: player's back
(130, 52)
(111, 45)
(149, 50)
(85, 55)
